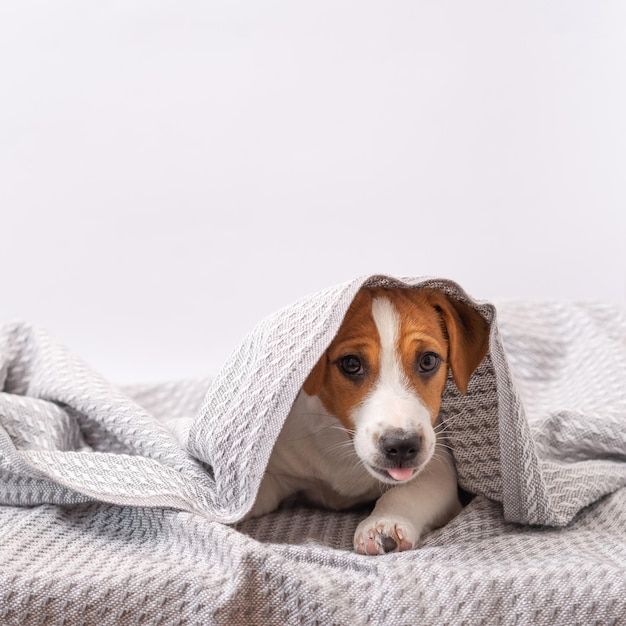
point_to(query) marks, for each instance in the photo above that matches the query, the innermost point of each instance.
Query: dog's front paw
(380, 536)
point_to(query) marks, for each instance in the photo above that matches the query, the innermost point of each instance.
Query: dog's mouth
(397, 474)
(401, 473)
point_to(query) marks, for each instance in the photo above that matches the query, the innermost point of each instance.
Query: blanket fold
(69, 436)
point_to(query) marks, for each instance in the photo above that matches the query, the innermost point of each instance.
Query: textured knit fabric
(123, 505)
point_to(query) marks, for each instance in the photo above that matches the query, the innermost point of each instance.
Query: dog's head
(384, 373)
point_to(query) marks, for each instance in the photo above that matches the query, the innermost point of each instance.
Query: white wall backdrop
(171, 172)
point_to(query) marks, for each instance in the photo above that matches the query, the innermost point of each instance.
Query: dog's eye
(428, 362)
(351, 365)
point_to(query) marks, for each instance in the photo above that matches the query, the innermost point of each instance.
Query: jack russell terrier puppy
(362, 428)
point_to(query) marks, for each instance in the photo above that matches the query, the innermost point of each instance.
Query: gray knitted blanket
(123, 506)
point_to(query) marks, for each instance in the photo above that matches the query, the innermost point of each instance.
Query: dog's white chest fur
(314, 456)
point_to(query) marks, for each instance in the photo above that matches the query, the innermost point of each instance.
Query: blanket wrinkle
(539, 440)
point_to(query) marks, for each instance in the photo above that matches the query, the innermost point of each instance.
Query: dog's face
(384, 373)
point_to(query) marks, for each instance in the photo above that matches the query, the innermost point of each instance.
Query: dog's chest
(315, 456)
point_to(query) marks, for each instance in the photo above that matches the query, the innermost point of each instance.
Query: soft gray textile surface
(121, 506)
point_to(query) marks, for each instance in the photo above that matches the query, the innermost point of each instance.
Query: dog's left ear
(468, 334)
(315, 380)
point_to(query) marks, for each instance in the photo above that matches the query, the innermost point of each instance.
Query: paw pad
(381, 539)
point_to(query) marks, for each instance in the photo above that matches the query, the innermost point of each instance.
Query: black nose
(400, 447)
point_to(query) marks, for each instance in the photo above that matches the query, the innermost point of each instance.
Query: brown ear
(313, 383)
(468, 333)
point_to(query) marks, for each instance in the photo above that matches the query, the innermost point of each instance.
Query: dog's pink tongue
(400, 473)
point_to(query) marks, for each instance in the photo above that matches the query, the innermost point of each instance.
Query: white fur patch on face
(392, 405)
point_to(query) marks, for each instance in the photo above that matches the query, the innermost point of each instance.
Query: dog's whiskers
(343, 446)
(321, 428)
(448, 422)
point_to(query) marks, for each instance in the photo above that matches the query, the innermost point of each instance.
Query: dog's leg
(407, 511)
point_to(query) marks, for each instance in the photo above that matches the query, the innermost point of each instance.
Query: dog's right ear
(313, 384)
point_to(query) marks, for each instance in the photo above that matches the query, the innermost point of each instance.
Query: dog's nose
(400, 447)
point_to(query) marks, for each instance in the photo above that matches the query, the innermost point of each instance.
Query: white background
(171, 172)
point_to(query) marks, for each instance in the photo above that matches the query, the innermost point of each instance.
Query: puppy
(362, 428)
